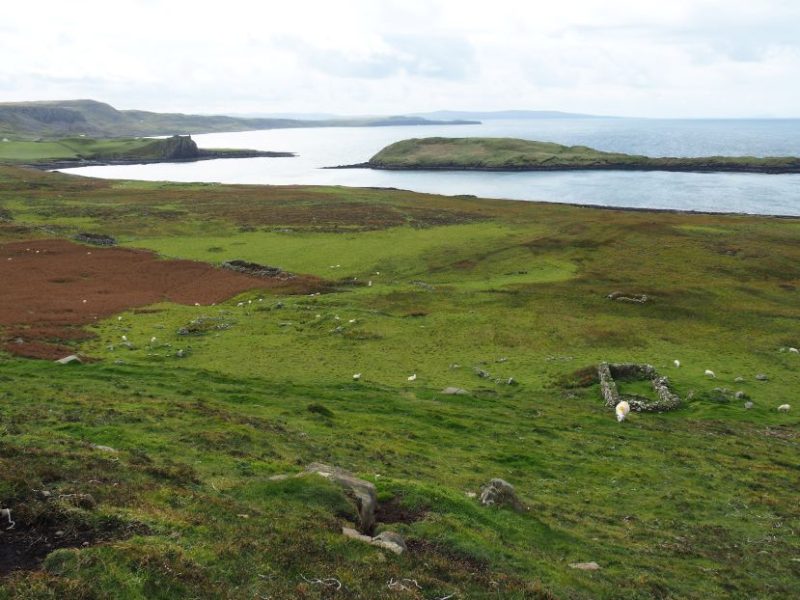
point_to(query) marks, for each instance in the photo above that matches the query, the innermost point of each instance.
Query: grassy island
(510, 154)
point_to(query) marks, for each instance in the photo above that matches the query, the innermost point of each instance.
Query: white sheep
(412, 377)
(710, 373)
(784, 408)
(677, 363)
(795, 350)
(357, 376)
(622, 410)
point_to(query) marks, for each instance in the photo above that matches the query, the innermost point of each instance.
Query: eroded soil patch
(26, 546)
(52, 288)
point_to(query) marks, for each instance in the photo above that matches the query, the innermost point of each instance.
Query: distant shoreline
(211, 155)
(555, 168)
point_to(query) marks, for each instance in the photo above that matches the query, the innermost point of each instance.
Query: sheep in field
(710, 373)
(784, 408)
(622, 410)
(677, 363)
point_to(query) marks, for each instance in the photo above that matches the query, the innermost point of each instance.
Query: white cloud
(679, 58)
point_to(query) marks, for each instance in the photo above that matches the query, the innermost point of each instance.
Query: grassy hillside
(696, 503)
(60, 153)
(55, 119)
(524, 155)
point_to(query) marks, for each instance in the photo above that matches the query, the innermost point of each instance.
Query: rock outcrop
(363, 492)
(499, 492)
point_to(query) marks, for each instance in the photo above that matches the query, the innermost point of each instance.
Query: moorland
(162, 464)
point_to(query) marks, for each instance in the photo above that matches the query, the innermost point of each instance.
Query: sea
(320, 147)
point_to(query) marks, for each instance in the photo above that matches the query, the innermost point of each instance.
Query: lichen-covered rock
(585, 566)
(499, 492)
(454, 391)
(362, 491)
(390, 540)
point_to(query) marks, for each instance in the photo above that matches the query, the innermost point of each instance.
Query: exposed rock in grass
(454, 391)
(96, 239)
(425, 286)
(69, 360)
(499, 492)
(390, 540)
(104, 448)
(585, 566)
(203, 325)
(255, 269)
(482, 373)
(622, 297)
(762, 377)
(387, 540)
(363, 491)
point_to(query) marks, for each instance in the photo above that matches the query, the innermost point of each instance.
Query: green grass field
(68, 148)
(697, 503)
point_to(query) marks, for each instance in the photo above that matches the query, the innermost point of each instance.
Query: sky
(677, 58)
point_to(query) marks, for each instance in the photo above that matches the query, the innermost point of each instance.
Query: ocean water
(323, 147)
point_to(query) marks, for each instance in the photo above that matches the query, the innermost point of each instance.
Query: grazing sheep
(412, 377)
(677, 363)
(795, 350)
(357, 376)
(710, 373)
(622, 410)
(784, 408)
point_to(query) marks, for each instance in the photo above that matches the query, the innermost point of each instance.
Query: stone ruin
(251, 268)
(607, 373)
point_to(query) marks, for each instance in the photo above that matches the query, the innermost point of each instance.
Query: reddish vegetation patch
(52, 288)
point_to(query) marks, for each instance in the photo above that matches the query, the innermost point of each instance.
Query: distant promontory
(510, 154)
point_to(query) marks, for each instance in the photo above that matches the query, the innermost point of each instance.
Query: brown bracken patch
(52, 288)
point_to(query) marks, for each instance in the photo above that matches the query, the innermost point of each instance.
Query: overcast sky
(622, 57)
